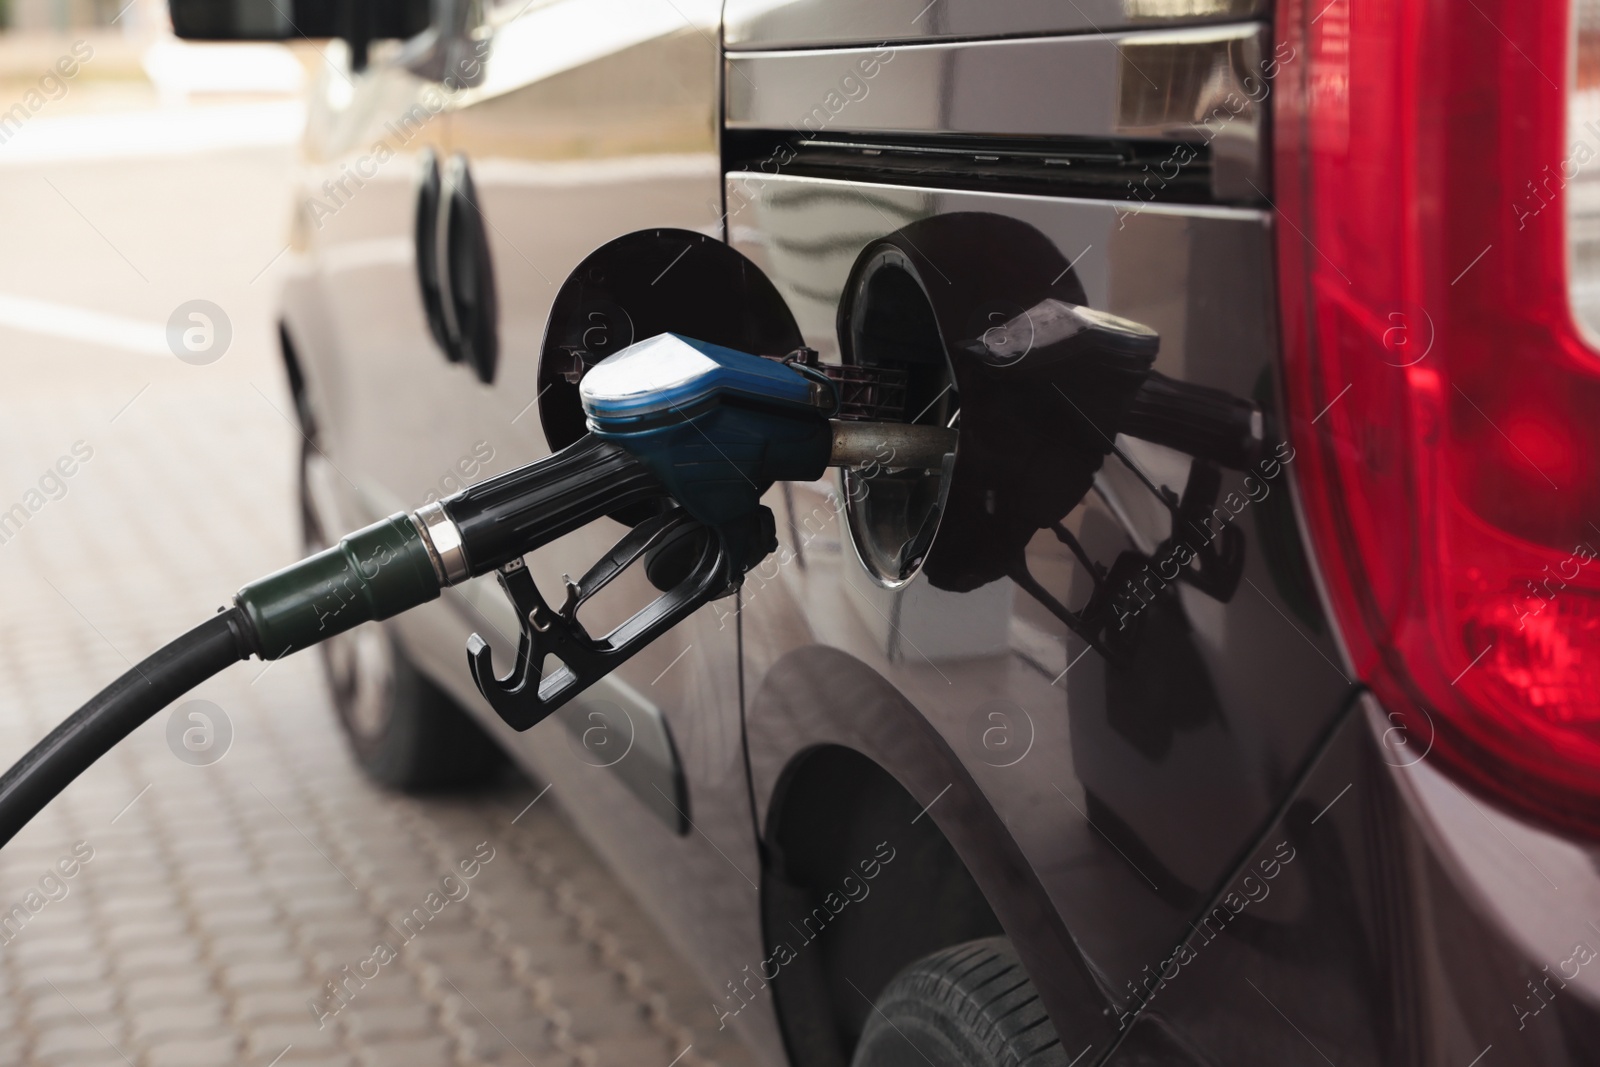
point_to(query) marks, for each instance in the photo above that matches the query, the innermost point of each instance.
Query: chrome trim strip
(442, 538)
(1194, 86)
(833, 23)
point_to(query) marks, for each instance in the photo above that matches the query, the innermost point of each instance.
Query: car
(1226, 697)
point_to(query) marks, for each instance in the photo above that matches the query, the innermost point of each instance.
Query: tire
(967, 1006)
(405, 732)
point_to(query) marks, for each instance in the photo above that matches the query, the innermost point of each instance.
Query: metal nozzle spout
(890, 444)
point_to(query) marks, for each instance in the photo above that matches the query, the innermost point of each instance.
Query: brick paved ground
(218, 901)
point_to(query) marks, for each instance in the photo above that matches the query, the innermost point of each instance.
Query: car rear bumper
(1388, 917)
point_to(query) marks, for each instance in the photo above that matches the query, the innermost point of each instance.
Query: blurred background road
(211, 911)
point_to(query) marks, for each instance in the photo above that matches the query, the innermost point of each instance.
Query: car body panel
(352, 242)
(594, 120)
(1182, 760)
(586, 122)
(1411, 924)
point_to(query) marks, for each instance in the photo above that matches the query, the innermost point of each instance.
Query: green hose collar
(374, 573)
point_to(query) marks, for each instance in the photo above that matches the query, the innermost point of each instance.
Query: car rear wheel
(967, 1006)
(405, 732)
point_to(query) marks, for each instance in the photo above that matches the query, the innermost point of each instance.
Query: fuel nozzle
(691, 433)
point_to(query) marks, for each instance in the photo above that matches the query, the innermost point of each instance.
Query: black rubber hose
(113, 713)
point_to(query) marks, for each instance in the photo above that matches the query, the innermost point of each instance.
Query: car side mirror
(358, 22)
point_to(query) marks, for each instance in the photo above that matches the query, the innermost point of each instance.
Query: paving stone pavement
(180, 914)
(209, 907)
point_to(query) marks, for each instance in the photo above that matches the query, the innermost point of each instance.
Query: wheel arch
(848, 757)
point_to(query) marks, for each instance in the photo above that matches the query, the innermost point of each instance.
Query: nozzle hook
(525, 696)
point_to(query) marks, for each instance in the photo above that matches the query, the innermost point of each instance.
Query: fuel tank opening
(889, 330)
(990, 325)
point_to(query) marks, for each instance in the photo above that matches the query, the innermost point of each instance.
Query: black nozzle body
(506, 516)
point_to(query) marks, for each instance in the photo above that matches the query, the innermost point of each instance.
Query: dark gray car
(1130, 736)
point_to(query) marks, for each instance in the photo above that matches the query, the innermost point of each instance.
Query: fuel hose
(114, 712)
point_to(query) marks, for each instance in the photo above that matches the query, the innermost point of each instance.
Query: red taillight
(1444, 404)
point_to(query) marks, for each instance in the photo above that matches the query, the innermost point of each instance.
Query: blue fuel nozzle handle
(716, 426)
(699, 430)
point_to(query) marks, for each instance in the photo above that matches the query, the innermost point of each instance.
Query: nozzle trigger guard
(525, 697)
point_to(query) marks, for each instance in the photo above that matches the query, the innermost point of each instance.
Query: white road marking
(72, 323)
